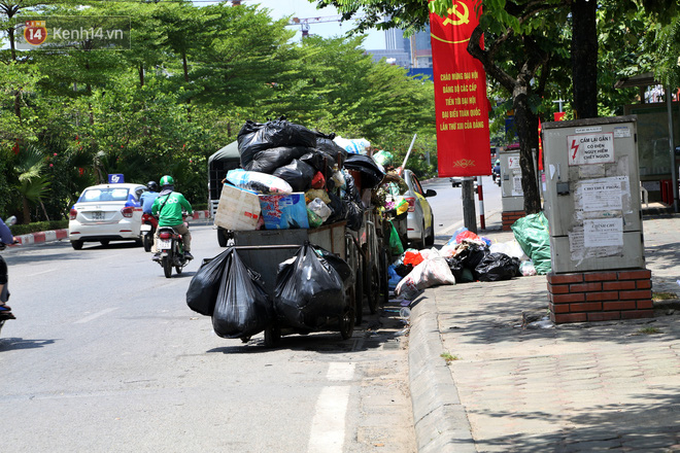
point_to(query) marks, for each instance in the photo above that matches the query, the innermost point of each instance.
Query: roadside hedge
(35, 227)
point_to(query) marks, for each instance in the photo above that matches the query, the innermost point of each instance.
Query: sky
(304, 9)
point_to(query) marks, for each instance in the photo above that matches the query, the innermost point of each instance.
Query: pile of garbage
(467, 257)
(234, 296)
(294, 177)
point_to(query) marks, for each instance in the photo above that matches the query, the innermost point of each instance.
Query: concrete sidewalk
(574, 387)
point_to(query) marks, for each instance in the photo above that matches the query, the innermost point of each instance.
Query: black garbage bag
(268, 160)
(254, 137)
(460, 273)
(371, 173)
(496, 267)
(351, 191)
(470, 256)
(320, 162)
(332, 149)
(402, 269)
(340, 265)
(308, 289)
(243, 307)
(205, 284)
(354, 216)
(338, 209)
(298, 174)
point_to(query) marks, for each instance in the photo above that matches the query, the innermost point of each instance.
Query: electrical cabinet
(512, 195)
(592, 197)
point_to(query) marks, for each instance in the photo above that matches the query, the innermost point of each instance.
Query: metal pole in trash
(468, 196)
(480, 194)
(403, 165)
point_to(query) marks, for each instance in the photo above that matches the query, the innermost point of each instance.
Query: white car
(420, 219)
(106, 212)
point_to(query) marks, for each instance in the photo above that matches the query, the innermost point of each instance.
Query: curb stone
(57, 235)
(440, 421)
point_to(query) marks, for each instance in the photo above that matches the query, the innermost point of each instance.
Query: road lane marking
(95, 315)
(340, 371)
(328, 425)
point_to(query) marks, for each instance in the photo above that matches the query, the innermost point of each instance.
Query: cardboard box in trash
(282, 212)
(238, 209)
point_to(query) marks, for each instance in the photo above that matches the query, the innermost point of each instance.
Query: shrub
(35, 227)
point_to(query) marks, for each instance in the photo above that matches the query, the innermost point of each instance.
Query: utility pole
(468, 195)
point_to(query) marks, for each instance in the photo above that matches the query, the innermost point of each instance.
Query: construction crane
(304, 22)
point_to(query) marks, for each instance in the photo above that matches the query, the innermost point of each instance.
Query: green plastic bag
(384, 158)
(313, 218)
(533, 235)
(396, 247)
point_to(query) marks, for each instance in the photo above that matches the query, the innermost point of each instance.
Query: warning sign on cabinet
(590, 148)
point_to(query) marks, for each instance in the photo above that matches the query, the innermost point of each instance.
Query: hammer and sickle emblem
(461, 17)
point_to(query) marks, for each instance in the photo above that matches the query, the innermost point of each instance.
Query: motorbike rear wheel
(167, 266)
(147, 240)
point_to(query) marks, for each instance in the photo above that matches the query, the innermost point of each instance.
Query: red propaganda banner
(463, 147)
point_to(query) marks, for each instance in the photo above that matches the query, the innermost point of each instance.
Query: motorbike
(148, 229)
(171, 250)
(496, 177)
(10, 221)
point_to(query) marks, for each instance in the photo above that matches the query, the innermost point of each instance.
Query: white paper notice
(621, 132)
(603, 232)
(602, 194)
(517, 186)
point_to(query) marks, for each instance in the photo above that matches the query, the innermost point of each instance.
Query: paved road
(105, 356)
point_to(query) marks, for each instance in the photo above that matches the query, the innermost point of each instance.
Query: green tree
(31, 184)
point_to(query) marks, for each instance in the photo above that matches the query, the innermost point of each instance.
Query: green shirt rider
(168, 207)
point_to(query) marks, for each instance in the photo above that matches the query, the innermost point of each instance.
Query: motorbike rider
(168, 208)
(149, 196)
(7, 238)
(497, 170)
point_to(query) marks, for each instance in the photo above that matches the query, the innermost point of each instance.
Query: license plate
(164, 244)
(145, 227)
(97, 215)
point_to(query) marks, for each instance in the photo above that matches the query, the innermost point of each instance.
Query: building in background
(413, 53)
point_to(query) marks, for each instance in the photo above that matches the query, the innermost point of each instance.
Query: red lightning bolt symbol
(574, 146)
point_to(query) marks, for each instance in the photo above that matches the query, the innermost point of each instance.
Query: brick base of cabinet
(510, 217)
(600, 295)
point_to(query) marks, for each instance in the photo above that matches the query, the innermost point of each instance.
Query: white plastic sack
(355, 146)
(432, 271)
(318, 207)
(510, 248)
(259, 182)
(527, 269)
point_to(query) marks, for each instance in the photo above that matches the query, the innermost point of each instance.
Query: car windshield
(108, 194)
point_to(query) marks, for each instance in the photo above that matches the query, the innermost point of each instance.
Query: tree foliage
(191, 78)
(530, 52)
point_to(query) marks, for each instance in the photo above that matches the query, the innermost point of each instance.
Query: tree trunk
(27, 210)
(527, 132)
(141, 75)
(584, 58)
